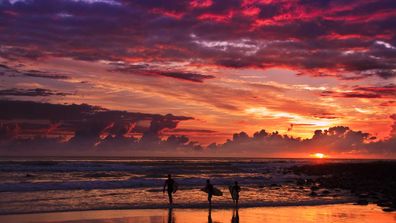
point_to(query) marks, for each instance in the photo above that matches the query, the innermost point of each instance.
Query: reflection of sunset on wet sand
(345, 213)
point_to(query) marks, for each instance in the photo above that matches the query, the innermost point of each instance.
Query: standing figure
(234, 190)
(170, 186)
(209, 189)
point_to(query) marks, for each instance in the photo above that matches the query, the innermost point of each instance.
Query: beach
(35, 186)
(130, 190)
(339, 213)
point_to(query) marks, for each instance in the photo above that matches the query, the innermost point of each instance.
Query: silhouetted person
(171, 217)
(235, 215)
(169, 186)
(235, 189)
(210, 215)
(209, 189)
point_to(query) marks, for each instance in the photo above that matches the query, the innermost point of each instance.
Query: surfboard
(175, 187)
(216, 191)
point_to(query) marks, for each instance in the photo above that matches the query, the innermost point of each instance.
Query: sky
(200, 77)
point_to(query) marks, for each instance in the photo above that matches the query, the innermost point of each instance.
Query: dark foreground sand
(339, 213)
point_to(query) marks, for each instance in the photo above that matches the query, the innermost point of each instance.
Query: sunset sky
(216, 67)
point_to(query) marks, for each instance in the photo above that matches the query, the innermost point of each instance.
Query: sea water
(34, 185)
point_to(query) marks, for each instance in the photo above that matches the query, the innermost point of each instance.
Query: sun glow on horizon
(318, 155)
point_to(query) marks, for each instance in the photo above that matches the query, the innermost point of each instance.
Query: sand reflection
(341, 213)
(235, 215)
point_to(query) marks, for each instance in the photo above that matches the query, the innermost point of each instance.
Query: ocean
(32, 185)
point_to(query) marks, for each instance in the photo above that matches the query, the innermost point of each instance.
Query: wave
(141, 166)
(203, 205)
(69, 167)
(149, 183)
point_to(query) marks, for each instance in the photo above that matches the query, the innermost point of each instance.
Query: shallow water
(33, 186)
(340, 213)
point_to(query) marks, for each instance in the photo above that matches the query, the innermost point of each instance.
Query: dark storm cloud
(312, 37)
(84, 122)
(30, 92)
(42, 128)
(14, 110)
(30, 110)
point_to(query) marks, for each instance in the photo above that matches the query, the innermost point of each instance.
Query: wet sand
(339, 213)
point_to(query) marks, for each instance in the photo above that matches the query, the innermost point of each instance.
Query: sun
(318, 155)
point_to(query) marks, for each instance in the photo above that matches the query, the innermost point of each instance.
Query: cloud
(40, 74)
(388, 103)
(218, 51)
(95, 130)
(393, 131)
(4, 66)
(350, 94)
(31, 92)
(386, 92)
(338, 140)
(12, 71)
(78, 125)
(182, 130)
(194, 77)
(150, 70)
(356, 37)
(389, 90)
(326, 115)
(386, 146)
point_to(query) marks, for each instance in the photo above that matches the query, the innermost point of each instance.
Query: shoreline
(299, 214)
(280, 185)
(201, 206)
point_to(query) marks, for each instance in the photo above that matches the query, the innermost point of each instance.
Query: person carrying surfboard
(209, 189)
(234, 191)
(171, 187)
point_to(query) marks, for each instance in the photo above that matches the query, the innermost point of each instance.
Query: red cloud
(293, 34)
(386, 92)
(201, 3)
(173, 14)
(216, 17)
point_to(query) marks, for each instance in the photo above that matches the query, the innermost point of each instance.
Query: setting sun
(318, 155)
